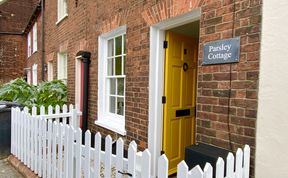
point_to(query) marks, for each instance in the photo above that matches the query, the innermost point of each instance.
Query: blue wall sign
(222, 51)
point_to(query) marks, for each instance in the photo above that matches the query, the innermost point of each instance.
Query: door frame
(156, 80)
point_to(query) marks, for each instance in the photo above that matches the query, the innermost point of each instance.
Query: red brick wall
(90, 19)
(14, 16)
(12, 57)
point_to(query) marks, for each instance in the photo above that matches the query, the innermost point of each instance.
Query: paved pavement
(8, 171)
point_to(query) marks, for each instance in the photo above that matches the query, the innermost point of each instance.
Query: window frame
(34, 40)
(60, 64)
(106, 119)
(62, 10)
(29, 45)
(34, 74)
(50, 71)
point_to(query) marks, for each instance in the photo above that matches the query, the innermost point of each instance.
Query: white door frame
(156, 80)
(78, 82)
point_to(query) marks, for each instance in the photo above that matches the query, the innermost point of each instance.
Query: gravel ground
(8, 171)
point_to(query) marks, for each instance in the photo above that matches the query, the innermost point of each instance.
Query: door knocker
(185, 67)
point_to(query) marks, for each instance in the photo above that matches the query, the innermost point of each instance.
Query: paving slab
(8, 171)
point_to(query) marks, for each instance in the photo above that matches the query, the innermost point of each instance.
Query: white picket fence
(54, 149)
(69, 115)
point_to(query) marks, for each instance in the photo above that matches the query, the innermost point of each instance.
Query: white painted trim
(109, 121)
(156, 80)
(34, 74)
(77, 80)
(61, 19)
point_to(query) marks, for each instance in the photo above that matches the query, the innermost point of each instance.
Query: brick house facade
(14, 16)
(226, 98)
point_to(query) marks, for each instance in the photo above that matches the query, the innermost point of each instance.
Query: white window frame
(29, 45)
(34, 32)
(106, 119)
(62, 11)
(50, 71)
(34, 74)
(62, 65)
(29, 76)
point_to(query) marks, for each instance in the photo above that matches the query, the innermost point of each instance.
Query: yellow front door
(180, 92)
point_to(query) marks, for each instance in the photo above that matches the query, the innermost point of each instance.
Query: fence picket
(71, 152)
(239, 161)
(44, 147)
(49, 151)
(97, 155)
(246, 161)
(182, 170)
(208, 171)
(196, 172)
(220, 168)
(39, 129)
(42, 110)
(60, 150)
(34, 111)
(64, 110)
(78, 154)
(108, 155)
(230, 166)
(146, 164)
(66, 150)
(119, 157)
(132, 159)
(162, 167)
(54, 149)
(87, 154)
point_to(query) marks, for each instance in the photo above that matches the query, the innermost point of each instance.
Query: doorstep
(19, 166)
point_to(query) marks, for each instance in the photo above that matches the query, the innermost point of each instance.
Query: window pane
(111, 47)
(120, 106)
(120, 86)
(118, 66)
(118, 42)
(124, 39)
(112, 104)
(112, 86)
(110, 67)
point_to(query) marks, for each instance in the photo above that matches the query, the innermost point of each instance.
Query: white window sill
(62, 18)
(114, 126)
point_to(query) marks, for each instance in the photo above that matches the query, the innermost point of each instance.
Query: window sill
(113, 126)
(61, 19)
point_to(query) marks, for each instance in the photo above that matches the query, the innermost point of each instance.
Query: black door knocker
(185, 67)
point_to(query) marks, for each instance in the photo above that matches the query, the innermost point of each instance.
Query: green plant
(46, 93)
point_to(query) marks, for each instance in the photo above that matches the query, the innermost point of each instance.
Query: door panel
(180, 91)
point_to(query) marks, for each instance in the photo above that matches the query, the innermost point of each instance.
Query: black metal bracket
(126, 173)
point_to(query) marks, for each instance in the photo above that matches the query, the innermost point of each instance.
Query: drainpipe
(85, 58)
(42, 41)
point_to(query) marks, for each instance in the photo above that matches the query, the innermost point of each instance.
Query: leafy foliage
(46, 93)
